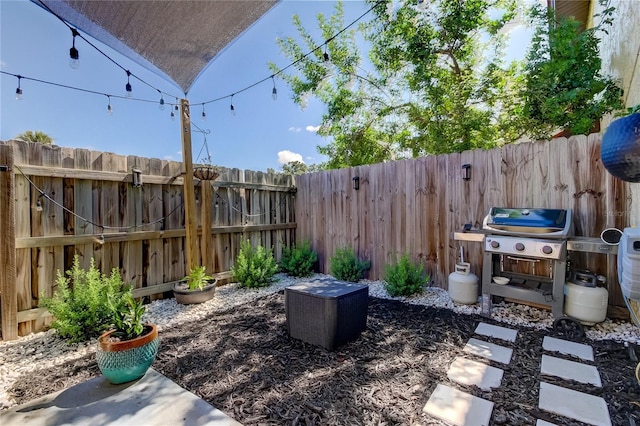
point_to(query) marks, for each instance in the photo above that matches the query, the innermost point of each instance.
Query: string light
(161, 106)
(19, 90)
(74, 56)
(39, 204)
(173, 116)
(109, 109)
(204, 114)
(101, 240)
(233, 109)
(326, 55)
(274, 92)
(127, 87)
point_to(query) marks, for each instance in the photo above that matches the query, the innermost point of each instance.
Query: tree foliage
(564, 87)
(425, 89)
(35, 136)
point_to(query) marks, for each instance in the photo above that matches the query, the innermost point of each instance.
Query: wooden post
(190, 224)
(8, 246)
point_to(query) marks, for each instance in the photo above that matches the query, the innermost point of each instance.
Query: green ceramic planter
(124, 361)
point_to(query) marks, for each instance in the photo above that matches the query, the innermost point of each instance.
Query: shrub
(404, 278)
(80, 304)
(346, 267)
(254, 267)
(127, 316)
(298, 261)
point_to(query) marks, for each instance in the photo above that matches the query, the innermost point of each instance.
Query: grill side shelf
(590, 245)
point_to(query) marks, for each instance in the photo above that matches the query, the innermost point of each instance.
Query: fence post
(9, 295)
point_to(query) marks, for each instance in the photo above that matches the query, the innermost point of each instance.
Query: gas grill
(529, 247)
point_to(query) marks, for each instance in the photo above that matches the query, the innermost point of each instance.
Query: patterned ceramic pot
(620, 150)
(127, 360)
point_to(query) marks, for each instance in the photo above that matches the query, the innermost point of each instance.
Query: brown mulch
(244, 363)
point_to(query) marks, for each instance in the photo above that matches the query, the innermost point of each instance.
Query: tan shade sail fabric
(176, 39)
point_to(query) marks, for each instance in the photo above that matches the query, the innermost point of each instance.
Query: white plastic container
(463, 285)
(629, 263)
(586, 304)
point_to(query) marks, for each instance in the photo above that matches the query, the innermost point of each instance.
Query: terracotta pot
(127, 360)
(620, 150)
(186, 297)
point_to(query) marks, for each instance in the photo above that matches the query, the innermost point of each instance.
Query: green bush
(127, 315)
(346, 267)
(80, 304)
(254, 267)
(403, 278)
(298, 261)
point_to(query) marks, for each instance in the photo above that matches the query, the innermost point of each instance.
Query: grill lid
(529, 221)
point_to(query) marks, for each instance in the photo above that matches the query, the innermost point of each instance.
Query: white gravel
(45, 350)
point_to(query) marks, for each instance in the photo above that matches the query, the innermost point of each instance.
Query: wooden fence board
(8, 281)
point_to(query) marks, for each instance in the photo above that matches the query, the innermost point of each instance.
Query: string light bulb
(101, 240)
(19, 90)
(161, 106)
(173, 116)
(232, 108)
(326, 55)
(274, 92)
(109, 109)
(204, 114)
(38, 205)
(74, 56)
(127, 87)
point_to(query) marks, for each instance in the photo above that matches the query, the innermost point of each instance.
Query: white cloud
(287, 156)
(295, 129)
(312, 129)
(178, 155)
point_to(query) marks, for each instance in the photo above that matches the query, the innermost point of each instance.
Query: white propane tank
(463, 285)
(584, 301)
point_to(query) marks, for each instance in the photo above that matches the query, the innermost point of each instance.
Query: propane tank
(463, 285)
(583, 300)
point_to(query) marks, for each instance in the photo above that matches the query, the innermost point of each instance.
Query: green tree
(35, 136)
(564, 88)
(427, 89)
(299, 168)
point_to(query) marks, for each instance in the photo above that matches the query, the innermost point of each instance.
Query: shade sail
(176, 39)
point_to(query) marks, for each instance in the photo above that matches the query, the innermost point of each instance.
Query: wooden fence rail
(70, 202)
(414, 206)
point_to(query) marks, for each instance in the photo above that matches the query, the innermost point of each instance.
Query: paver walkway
(462, 409)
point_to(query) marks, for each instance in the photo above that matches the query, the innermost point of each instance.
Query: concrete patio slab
(496, 331)
(544, 423)
(570, 370)
(573, 404)
(488, 350)
(568, 348)
(458, 408)
(469, 372)
(151, 400)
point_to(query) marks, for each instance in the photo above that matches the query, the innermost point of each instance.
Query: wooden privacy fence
(59, 202)
(414, 206)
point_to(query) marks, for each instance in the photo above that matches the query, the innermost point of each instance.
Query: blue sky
(261, 135)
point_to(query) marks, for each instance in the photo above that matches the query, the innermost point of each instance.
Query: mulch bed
(244, 363)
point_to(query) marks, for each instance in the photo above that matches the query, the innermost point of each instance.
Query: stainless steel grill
(529, 247)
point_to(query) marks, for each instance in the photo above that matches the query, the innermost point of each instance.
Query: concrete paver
(496, 331)
(151, 400)
(489, 350)
(570, 370)
(573, 404)
(544, 423)
(458, 408)
(567, 348)
(469, 372)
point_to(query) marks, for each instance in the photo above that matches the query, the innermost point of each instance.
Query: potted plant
(620, 149)
(197, 287)
(126, 352)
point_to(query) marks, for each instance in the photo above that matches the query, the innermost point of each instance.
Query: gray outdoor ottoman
(326, 313)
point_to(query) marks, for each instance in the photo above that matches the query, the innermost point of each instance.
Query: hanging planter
(205, 172)
(620, 150)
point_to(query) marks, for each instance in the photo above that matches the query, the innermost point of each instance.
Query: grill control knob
(547, 249)
(519, 246)
(495, 244)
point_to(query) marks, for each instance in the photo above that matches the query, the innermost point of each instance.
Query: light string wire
(300, 59)
(89, 221)
(77, 33)
(108, 95)
(283, 201)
